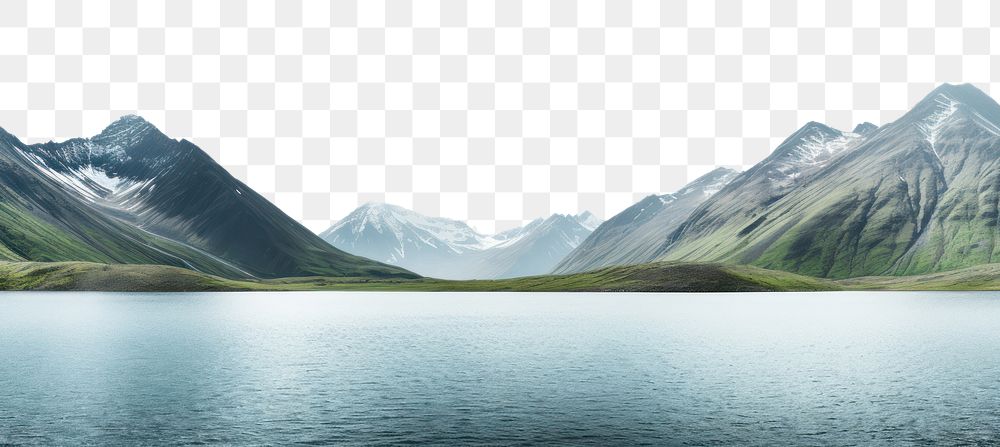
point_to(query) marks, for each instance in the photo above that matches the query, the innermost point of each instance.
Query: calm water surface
(352, 368)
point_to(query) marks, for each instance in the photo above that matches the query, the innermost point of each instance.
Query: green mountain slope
(915, 196)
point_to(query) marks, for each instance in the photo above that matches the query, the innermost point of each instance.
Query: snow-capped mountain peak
(951, 107)
(127, 129)
(818, 144)
(810, 148)
(942, 103)
(446, 248)
(97, 167)
(406, 224)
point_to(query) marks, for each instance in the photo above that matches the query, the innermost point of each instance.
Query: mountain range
(131, 195)
(918, 195)
(915, 196)
(450, 249)
(634, 235)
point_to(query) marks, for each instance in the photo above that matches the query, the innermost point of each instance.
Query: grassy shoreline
(654, 277)
(657, 277)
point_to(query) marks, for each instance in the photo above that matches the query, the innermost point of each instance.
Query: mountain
(449, 249)
(537, 250)
(864, 128)
(737, 206)
(41, 220)
(402, 237)
(634, 235)
(918, 195)
(133, 195)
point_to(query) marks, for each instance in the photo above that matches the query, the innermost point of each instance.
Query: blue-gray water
(342, 368)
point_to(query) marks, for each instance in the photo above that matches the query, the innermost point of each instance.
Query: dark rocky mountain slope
(133, 195)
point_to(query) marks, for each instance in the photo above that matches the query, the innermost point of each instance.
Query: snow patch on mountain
(99, 178)
(930, 127)
(132, 194)
(92, 184)
(707, 185)
(715, 186)
(816, 146)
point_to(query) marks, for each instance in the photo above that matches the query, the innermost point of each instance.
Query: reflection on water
(831, 368)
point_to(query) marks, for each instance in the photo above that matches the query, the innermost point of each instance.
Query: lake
(391, 368)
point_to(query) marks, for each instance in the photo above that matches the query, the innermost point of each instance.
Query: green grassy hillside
(980, 277)
(109, 277)
(655, 277)
(659, 277)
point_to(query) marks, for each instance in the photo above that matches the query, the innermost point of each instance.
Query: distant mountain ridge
(634, 235)
(538, 250)
(368, 229)
(133, 195)
(450, 249)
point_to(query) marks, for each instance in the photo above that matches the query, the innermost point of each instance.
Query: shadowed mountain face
(449, 249)
(635, 235)
(133, 195)
(917, 195)
(42, 220)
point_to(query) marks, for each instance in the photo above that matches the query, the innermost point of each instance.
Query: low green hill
(658, 277)
(655, 277)
(980, 277)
